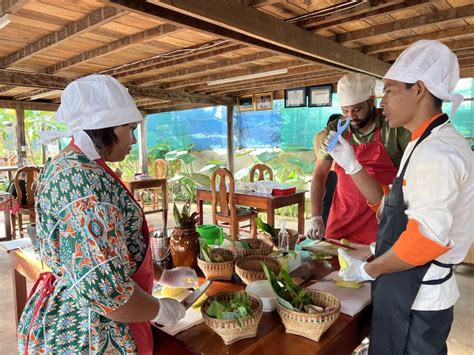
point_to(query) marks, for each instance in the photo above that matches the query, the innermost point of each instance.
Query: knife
(324, 239)
(193, 296)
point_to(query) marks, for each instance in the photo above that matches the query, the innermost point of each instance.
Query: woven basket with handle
(257, 247)
(249, 268)
(218, 270)
(229, 330)
(311, 325)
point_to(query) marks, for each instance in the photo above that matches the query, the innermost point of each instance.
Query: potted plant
(184, 241)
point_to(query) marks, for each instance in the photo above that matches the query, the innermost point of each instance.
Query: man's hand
(170, 312)
(316, 228)
(184, 277)
(354, 270)
(344, 155)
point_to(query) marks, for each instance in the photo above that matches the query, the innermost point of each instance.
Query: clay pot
(184, 247)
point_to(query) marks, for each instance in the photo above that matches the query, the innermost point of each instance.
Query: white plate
(263, 290)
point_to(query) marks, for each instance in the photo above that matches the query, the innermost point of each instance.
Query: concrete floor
(460, 341)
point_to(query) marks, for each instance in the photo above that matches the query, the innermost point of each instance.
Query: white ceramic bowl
(264, 291)
(372, 248)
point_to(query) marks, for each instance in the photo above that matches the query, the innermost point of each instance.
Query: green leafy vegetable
(261, 225)
(236, 308)
(287, 291)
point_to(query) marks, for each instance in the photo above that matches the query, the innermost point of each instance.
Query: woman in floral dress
(93, 237)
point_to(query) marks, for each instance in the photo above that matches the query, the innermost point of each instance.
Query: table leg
(164, 191)
(8, 226)
(19, 294)
(199, 209)
(271, 215)
(301, 216)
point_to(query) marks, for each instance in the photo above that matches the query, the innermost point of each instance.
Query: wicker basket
(218, 271)
(250, 269)
(229, 330)
(311, 325)
(257, 247)
(291, 232)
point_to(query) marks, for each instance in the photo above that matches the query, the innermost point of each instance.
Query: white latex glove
(344, 155)
(170, 312)
(316, 228)
(184, 277)
(355, 270)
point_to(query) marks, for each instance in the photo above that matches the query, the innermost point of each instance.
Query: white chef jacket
(439, 194)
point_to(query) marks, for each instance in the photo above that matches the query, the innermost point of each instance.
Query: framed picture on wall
(263, 101)
(319, 96)
(245, 103)
(295, 97)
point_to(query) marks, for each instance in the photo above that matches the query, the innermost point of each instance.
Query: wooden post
(142, 148)
(230, 138)
(20, 137)
(43, 147)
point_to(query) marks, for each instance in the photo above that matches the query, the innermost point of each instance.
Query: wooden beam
(207, 67)
(168, 60)
(405, 42)
(377, 8)
(436, 18)
(453, 45)
(47, 81)
(20, 137)
(179, 107)
(142, 147)
(230, 138)
(12, 6)
(74, 29)
(257, 28)
(111, 47)
(37, 106)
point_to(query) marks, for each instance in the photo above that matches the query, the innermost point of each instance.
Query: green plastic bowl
(211, 233)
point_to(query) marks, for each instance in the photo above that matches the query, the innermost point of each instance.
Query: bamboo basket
(250, 269)
(218, 271)
(293, 234)
(229, 330)
(258, 247)
(311, 325)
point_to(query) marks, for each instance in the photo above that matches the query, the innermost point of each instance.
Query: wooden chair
(161, 172)
(29, 174)
(223, 206)
(261, 169)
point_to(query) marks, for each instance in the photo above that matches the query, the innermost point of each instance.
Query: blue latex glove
(344, 155)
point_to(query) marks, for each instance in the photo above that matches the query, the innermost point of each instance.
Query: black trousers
(428, 332)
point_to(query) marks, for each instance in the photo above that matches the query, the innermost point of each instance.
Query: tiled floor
(460, 342)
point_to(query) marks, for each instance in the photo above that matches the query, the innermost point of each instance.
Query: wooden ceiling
(169, 52)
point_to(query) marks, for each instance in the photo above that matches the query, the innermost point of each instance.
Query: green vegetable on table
(206, 254)
(236, 308)
(289, 294)
(264, 227)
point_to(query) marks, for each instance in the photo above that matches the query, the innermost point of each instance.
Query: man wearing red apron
(426, 220)
(378, 147)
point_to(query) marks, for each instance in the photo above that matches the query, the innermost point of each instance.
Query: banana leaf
(264, 227)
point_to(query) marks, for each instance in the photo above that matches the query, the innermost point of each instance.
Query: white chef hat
(355, 88)
(93, 102)
(434, 64)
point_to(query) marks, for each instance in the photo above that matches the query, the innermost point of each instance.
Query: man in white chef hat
(426, 220)
(379, 149)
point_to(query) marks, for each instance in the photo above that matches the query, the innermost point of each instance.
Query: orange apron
(141, 331)
(350, 217)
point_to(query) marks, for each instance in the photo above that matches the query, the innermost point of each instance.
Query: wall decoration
(245, 103)
(295, 97)
(319, 96)
(263, 101)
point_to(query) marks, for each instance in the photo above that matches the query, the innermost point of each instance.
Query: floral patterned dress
(89, 231)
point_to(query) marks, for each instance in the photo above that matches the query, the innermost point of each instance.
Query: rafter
(52, 82)
(12, 6)
(111, 47)
(205, 68)
(405, 42)
(74, 29)
(22, 105)
(440, 17)
(253, 27)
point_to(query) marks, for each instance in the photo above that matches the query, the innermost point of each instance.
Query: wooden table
(25, 265)
(341, 338)
(266, 202)
(10, 170)
(152, 184)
